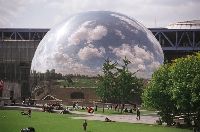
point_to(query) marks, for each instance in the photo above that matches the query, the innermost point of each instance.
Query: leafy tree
(185, 72)
(118, 84)
(106, 84)
(175, 89)
(127, 84)
(157, 95)
(47, 75)
(69, 80)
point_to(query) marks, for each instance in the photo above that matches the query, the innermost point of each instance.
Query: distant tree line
(50, 75)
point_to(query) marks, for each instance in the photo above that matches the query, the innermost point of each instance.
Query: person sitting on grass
(108, 120)
(65, 111)
(23, 113)
(29, 129)
(26, 113)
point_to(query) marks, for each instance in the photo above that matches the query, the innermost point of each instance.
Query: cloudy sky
(46, 13)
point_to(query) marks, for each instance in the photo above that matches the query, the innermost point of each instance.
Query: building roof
(193, 24)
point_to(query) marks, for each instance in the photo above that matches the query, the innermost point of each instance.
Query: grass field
(13, 121)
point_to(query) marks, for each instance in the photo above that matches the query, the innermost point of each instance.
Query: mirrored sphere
(80, 45)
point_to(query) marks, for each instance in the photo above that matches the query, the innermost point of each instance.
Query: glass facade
(15, 61)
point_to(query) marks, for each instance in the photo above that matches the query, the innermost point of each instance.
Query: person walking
(138, 114)
(84, 125)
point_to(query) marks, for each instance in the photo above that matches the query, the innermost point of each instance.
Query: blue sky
(46, 13)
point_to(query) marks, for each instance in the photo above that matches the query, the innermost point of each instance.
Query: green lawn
(48, 122)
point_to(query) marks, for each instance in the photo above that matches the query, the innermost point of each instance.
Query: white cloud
(133, 53)
(45, 13)
(141, 60)
(68, 65)
(143, 54)
(9, 9)
(97, 33)
(124, 50)
(60, 58)
(87, 33)
(88, 52)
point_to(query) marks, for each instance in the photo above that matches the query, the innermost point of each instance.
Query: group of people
(50, 107)
(65, 111)
(47, 108)
(75, 106)
(137, 112)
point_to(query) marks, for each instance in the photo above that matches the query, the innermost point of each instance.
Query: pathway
(118, 118)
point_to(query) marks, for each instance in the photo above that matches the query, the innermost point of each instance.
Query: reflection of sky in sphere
(81, 44)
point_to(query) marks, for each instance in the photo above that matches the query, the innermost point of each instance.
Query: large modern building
(17, 47)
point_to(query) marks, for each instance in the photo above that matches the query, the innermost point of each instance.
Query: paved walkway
(117, 118)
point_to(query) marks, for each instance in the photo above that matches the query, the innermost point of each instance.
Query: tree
(52, 74)
(69, 80)
(118, 84)
(127, 84)
(175, 89)
(185, 73)
(157, 95)
(106, 84)
(47, 75)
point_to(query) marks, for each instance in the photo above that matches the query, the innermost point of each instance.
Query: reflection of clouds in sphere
(82, 43)
(89, 52)
(84, 32)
